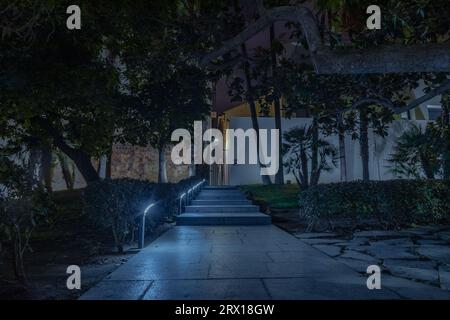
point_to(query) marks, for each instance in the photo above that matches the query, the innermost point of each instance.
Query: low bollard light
(142, 226)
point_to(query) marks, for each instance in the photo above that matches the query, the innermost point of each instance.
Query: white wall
(379, 149)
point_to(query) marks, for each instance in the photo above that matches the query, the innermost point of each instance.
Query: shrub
(23, 206)
(117, 205)
(392, 203)
(19, 217)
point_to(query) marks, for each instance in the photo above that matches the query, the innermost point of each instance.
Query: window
(434, 112)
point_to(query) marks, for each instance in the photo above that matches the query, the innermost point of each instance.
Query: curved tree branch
(289, 13)
(364, 102)
(383, 59)
(430, 95)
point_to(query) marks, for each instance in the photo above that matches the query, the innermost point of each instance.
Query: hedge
(392, 203)
(117, 204)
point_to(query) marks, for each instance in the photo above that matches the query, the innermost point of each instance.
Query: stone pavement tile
(357, 265)
(321, 288)
(210, 289)
(224, 248)
(168, 257)
(224, 230)
(444, 277)
(235, 241)
(380, 234)
(157, 271)
(419, 270)
(310, 235)
(444, 235)
(428, 242)
(409, 289)
(117, 290)
(362, 249)
(271, 239)
(417, 231)
(350, 254)
(300, 255)
(402, 242)
(321, 241)
(432, 228)
(236, 257)
(179, 234)
(238, 269)
(435, 252)
(391, 252)
(263, 232)
(309, 266)
(359, 241)
(329, 250)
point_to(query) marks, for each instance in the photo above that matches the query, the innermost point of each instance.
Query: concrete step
(220, 202)
(208, 219)
(222, 208)
(221, 197)
(221, 188)
(221, 192)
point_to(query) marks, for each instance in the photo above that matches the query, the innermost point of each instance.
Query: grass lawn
(276, 196)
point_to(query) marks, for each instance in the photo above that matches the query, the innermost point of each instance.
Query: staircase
(222, 205)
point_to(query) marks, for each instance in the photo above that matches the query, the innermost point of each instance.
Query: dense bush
(392, 203)
(23, 206)
(19, 217)
(117, 205)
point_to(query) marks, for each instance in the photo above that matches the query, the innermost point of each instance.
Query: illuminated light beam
(148, 208)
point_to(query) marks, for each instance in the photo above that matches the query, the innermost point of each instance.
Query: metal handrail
(185, 195)
(189, 194)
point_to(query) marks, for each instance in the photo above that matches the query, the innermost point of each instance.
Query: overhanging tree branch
(364, 102)
(383, 59)
(430, 95)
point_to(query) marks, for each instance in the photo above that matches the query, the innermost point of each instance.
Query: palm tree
(418, 152)
(299, 150)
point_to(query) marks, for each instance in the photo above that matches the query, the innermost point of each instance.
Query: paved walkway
(244, 263)
(238, 262)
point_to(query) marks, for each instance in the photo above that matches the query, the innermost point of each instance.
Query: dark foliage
(118, 205)
(392, 203)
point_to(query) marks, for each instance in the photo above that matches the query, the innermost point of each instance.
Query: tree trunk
(305, 174)
(47, 167)
(84, 165)
(251, 103)
(364, 142)
(342, 155)
(315, 153)
(34, 172)
(117, 239)
(162, 173)
(446, 135)
(342, 158)
(279, 177)
(18, 264)
(67, 175)
(102, 166)
(109, 166)
(81, 159)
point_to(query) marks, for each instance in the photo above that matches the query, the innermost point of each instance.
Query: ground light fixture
(142, 225)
